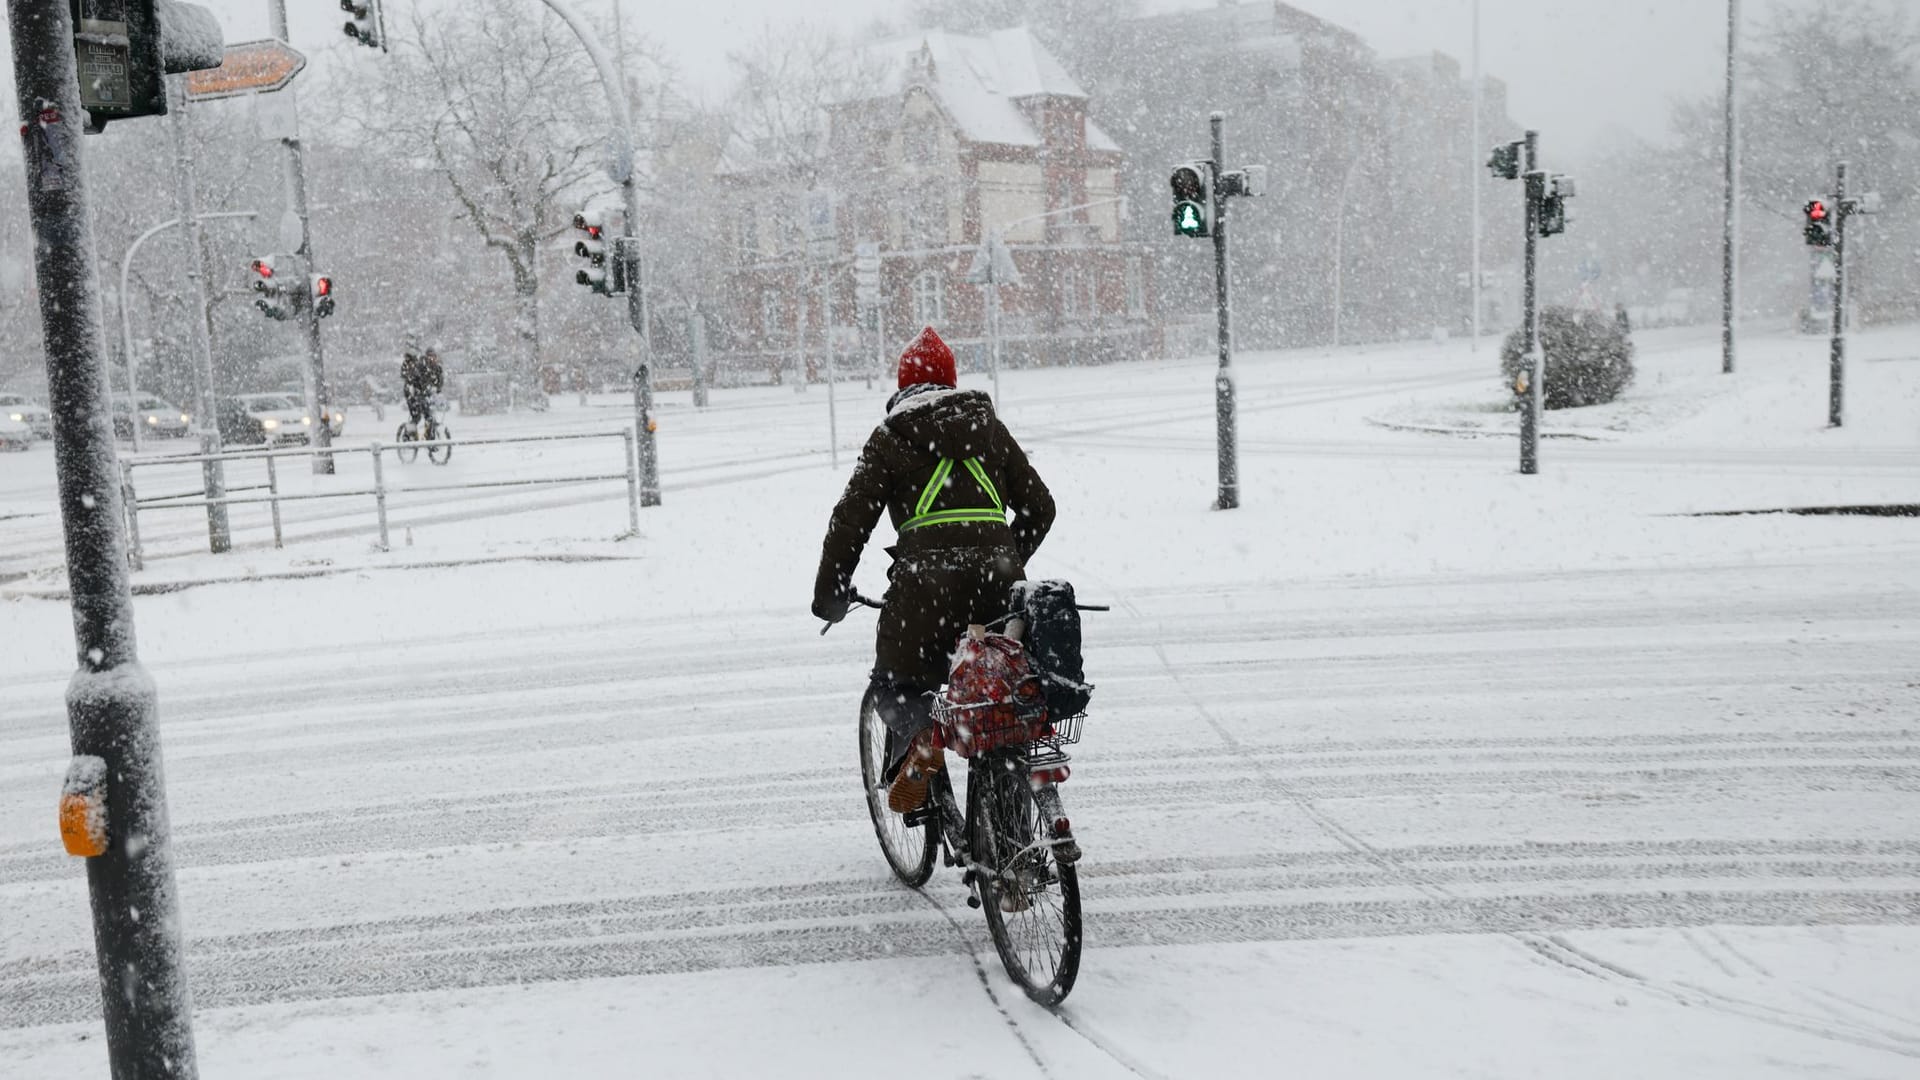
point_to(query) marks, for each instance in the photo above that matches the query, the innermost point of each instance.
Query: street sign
(251, 67)
(821, 231)
(866, 272)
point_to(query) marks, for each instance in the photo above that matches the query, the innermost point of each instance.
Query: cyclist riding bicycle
(947, 471)
(421, 377)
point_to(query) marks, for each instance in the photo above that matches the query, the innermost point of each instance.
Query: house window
(926, 216)
(1070, 292)
(749, 234)
(1136, 287)
(930, 298)
(770, 314)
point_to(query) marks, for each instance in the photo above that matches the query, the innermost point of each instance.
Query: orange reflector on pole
(83, 807)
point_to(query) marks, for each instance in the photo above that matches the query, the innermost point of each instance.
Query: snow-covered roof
(978, 81)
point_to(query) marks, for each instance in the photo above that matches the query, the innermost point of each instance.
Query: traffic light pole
(1533, 398)
(1223, 390)
(1837, 352)
(187, 204)
(1730, 209)
(319, 398)
(112, 709)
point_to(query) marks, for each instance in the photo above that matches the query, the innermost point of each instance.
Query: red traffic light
(1816, 211)
(323, 286)
(263, 268)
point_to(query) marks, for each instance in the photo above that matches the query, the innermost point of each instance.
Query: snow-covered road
(1411, 767)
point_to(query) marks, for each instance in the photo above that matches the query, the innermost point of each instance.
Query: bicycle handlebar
(856, 597)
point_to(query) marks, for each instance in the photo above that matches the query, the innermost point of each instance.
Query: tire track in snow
(823, 923)
(1139, 782)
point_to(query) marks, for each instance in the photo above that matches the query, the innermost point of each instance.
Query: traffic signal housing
(125, 51)
(320, 289)
(273, 301)
(365, 23)
(1192, 185)
(590, 246)
(1819, 228)
(1553, 206)
(1505, 162)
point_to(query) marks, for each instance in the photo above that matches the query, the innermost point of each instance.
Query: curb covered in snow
(1475, 433)
(161, 588)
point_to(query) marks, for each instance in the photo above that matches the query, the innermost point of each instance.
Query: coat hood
(947, 423)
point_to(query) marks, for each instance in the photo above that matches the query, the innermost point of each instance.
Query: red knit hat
(927, 360)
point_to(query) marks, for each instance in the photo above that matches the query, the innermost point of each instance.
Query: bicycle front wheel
(401, 438)
(1032, 902)
(909, 848)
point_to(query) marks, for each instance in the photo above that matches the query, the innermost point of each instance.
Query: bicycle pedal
(913, 818)
(1066, 851)
(973, 900)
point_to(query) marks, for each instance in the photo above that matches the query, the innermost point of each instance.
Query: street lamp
(126, 319)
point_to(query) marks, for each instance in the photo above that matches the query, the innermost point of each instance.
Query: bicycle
(429, 430)
(1013, 839)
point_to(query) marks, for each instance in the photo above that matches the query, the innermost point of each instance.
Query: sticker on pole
(251, 67)
(83, 807)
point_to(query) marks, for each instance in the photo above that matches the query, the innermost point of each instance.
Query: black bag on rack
(1053, 644)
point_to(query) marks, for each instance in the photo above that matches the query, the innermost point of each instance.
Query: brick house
(960, 139)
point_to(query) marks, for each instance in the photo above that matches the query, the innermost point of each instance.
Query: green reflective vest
(925, 514)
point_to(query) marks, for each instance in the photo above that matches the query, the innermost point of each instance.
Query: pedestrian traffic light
(125, 50)
(321, 290)
(273, 300)
(1192, 206)
(1819, 230)
(591, 247)
(1553, 207)
(364, 26)
(1505, 162)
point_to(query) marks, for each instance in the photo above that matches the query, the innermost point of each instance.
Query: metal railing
(379, 492)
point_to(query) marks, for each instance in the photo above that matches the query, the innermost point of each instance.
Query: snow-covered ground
(1411, 766)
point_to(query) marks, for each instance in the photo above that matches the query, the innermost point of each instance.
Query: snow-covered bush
(1589, 357)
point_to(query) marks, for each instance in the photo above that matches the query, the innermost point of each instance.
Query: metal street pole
(319, 397)
(1532, 402)
(1728, 239)
(826, 318)
(112, 705)
(1473, 172)
(1837, 354)
(186, 201)
(622, 170)
(697, 342)
(1223, 397)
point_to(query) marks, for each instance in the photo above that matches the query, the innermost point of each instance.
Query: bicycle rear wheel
(439, 455)
(401, 438)
(1039, 938)
(909, 848)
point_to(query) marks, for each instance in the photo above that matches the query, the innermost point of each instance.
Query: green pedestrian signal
(1191, 188)
(1188, 220)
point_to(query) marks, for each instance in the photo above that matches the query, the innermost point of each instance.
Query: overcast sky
(1574, 67)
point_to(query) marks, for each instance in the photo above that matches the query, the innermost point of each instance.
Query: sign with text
(252, 67)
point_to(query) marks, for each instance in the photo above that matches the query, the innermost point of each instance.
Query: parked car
(238, 427)
(15, 434)
(160, 417)
(22, 409)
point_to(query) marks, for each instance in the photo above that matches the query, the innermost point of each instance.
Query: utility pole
(319, 397)
(187, 205)
(1728, 239)
(1533, 398)
(1837, 352)
(1474, 178)
(116, 777)
(1223, 396)
(826, 319)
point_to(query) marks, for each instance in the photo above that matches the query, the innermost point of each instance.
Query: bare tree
(502, 101)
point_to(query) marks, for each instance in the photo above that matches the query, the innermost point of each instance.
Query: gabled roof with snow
(979, 80)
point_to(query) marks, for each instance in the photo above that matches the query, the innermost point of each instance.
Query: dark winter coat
(420, 377)
(947, 575)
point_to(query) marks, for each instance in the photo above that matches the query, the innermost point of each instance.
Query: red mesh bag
(992, 697)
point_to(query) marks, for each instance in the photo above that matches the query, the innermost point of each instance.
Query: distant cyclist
(421, 377)
(948, 472)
